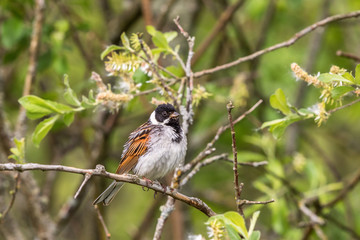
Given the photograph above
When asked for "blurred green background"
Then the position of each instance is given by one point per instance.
(313, 160)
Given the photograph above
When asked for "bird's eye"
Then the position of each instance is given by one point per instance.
(165, 114)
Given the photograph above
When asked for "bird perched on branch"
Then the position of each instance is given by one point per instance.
(155, 148)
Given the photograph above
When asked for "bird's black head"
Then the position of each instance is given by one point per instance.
(166, 113)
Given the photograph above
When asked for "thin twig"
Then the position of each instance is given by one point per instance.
(209, 147)
(154, 68)
(86, 179)
(100, 171)
(201, 164)
(347, 188)
(314, 219)
(347, 55)
(101, 219)
(13, 195)
(33, 57)
(243, 202)
(165, 213)
(220, 25)
(189, 114)
(237, 186)
(344, 106)
(287, 43)
(337, 222)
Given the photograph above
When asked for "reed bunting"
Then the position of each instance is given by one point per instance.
(155, 148)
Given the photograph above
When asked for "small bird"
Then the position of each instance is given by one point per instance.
(155, 148)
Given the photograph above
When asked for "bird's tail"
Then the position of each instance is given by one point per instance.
(108, 195)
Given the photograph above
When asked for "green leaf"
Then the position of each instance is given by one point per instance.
(109, 49)
(43, 128)
(253, 220)
(349, 77)
(69, 118)
(255, 235)
(158, 38)
(69, 95)
(18, 151)
(278, 101)
(237, 222)
(273, 123)
(39, 107)
(338, 92)
(277, 127)
(327, 77)
(151, 30)
(34, 107)
(176, 70)
(140, 77)
(170, 36)
(125, 41)
(233, 234)
(357, 74)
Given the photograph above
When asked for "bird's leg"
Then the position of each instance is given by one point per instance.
(164, 187)
(148, 182)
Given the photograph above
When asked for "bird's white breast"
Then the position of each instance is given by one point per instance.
(164, 154)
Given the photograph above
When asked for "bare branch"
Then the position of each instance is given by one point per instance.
(347, 188)
(188, 115)
(201, 164)
(165, 213)
(237, 187)
(347, 55)
(86, 179)
(343, 106)
(33, 55)
(220, 25)
(13, 195)
(209, 147)
(243, 202)
(314, 219)
(100, 171)
(287, 43)
(101, 219)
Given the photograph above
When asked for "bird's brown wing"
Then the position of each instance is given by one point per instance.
(134, 148)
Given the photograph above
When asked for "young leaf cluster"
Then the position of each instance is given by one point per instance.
(38, 108)
(231, 225)
(334, 87)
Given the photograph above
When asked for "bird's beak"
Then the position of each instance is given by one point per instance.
(174, 115)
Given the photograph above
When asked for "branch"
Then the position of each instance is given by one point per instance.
(314, 219)
(188, 115)
(237, 187)
(201, 164)
(209, 147)
(224, 18)
(347, 188)
(347, 55)
(287, 43)
(344, 106)
(100, 171)
(165, 213)
(101, 219)
(13, 195)
(34, 50)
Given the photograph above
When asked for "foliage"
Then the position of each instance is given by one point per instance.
(85, 123)
(18, 152)
(334, 87)
(231, 225)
